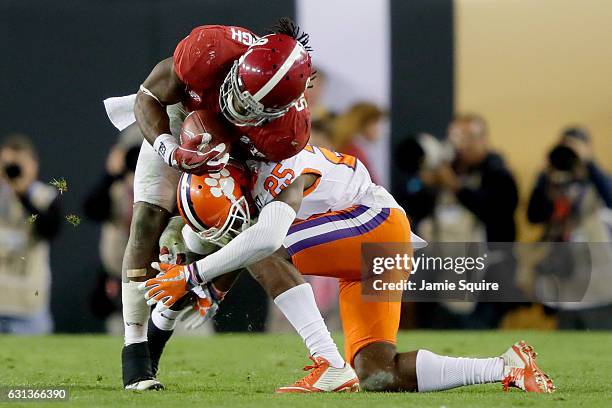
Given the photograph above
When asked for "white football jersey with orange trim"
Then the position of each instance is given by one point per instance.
(343, 181)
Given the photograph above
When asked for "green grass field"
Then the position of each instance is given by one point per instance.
(243, 371)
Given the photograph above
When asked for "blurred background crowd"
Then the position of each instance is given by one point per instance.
(492, 165)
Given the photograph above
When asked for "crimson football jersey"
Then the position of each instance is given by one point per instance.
(203, 59)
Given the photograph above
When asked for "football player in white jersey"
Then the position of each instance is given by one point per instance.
(315, 210)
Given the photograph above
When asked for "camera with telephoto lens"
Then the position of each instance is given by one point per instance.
(422, 151)
(564, 165)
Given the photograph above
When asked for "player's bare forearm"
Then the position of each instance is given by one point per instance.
(161, 88)
(151, 117)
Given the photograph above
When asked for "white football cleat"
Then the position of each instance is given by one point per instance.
(324, 378)
(521, 371)
(145, 385)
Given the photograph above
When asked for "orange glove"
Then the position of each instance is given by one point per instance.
(169, 286)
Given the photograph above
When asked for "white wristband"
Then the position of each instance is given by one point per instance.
(165, 144)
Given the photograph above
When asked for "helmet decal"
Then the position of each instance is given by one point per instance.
(221, 183)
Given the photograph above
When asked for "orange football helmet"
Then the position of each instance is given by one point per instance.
(214, 204)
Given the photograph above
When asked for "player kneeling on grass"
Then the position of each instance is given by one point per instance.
(315, 211)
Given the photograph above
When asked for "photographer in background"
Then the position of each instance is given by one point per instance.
(479, 180)
(461, 191)
(573, 199)
(30, 218)
(571, 193)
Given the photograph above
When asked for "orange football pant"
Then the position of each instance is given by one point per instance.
(330, 245)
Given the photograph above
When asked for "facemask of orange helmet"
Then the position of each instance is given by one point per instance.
(214, 204)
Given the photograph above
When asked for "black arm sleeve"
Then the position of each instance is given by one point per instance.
(540, 207)
(602, 183)
(98, 204)
(48, 221)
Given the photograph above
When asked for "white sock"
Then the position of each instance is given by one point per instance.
(165, 320)
(299, 307)
(435, 373)
(135, 313)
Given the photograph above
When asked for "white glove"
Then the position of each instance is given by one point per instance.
(204, 308)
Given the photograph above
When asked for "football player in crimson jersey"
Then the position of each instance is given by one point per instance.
(255, 83)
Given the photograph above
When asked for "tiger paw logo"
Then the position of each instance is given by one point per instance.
(220, 183)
